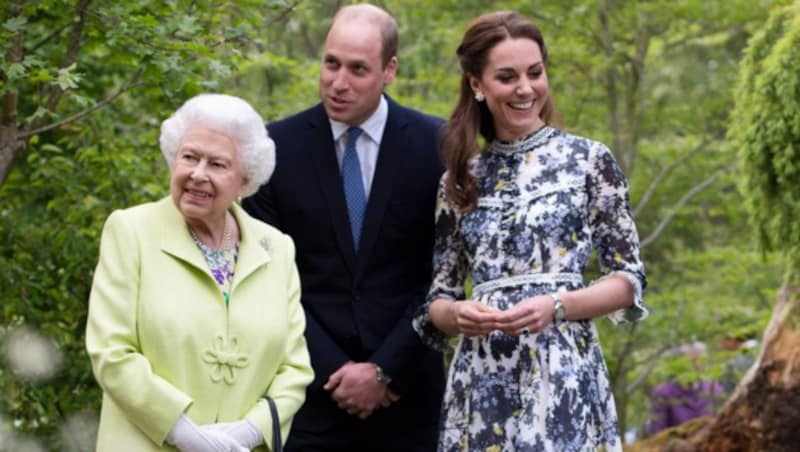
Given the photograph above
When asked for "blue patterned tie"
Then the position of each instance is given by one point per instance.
(353, 185)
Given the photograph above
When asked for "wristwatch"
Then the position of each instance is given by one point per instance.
(382, 377)
(558, 307)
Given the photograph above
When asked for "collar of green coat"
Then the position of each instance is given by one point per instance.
(177, 241)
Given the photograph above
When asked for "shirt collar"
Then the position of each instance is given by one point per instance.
(372, 127)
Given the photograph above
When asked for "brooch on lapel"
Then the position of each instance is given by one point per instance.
(265, 244)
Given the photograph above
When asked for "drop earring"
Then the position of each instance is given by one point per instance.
(479, 96)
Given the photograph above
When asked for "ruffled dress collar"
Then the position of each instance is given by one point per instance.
(526, 144)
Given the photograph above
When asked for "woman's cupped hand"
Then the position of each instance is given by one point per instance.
(473, 318)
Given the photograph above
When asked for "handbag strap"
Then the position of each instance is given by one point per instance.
(277, 445)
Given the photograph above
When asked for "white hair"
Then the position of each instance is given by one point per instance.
(235, 118)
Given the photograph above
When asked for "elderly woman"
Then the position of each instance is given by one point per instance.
(194, 314)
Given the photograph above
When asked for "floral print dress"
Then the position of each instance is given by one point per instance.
(545, 203)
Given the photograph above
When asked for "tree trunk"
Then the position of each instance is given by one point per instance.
(10, 148)
(763, 414)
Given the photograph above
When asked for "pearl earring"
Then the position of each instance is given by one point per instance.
(479, 96)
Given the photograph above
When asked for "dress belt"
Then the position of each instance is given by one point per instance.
(528, 278)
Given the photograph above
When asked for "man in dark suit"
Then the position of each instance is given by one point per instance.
(363, 228)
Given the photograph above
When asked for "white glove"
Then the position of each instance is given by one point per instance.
(244, 432)
(188, 437)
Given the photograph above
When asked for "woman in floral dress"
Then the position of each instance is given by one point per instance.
(520, 218)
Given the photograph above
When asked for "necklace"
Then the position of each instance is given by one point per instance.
(226, 235)
(221, 261)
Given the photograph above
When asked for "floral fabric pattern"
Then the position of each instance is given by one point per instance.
(221, 264)
(545, 203)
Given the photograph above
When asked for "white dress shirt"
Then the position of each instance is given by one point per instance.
(368, 143)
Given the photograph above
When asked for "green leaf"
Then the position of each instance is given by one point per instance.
(41, 75)
(15, 24)
(52, 149)
(67, 79)
(15, 71)
(39, 113)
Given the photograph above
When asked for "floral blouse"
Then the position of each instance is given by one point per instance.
(221, 263)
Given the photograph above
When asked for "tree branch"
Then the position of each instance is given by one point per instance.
(14, 54)
(651, 188)
(280, 18)
(27, 132)
(615, 373)
(704, 30)
(72, 51)
(611, 76)
(310, 47)
(685, 199)
(633, 101)
(56, 31)
(652, 361)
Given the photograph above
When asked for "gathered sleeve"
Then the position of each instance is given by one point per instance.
(450, 266)
(614, 235)
(124, 373)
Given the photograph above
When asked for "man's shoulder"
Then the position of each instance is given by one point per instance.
(305, 118)
(414, 115)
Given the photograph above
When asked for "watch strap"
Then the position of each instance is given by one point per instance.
(558, 307)
(381, 376)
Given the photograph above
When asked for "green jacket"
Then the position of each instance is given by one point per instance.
(162, 340)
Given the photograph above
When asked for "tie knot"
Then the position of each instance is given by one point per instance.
(352, 135)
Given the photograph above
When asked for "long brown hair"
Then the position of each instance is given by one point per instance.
(469, 117)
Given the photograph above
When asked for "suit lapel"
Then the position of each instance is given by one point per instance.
(323, 154)
(387, 169)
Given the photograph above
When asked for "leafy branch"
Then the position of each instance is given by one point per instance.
(121, 90)
(699, 187)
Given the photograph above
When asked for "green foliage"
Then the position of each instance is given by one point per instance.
(50, 234)
(765, 126)
(707, 296)
(651, 79)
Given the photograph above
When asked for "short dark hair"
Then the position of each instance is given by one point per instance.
(387, 26)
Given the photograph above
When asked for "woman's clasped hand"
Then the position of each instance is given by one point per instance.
(473, 318)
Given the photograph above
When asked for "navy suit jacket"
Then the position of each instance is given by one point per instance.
(359, 306)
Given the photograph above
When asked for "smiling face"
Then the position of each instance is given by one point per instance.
(206, 176)
(514, 82)
(352, 76)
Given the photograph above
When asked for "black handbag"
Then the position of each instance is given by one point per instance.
(277, 446)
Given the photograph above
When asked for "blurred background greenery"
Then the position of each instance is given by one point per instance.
(86, 84)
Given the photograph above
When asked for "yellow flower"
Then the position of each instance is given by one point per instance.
(498, 430)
